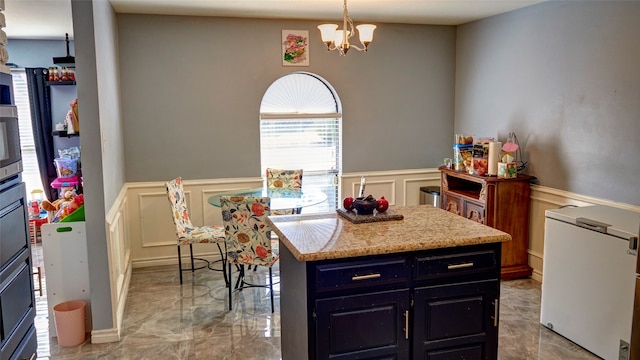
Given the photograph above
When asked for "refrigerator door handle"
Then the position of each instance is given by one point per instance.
(633, 243)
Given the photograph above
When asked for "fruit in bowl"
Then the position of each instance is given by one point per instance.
(382, 204)
(365, 206)
(348, 203)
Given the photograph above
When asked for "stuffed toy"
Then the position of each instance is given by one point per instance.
(55, 205)
(64, 206)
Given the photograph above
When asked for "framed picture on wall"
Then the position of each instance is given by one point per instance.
(295, 48)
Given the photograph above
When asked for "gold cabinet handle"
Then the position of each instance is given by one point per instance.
(460, 266)
(406, 324)
(365, 277)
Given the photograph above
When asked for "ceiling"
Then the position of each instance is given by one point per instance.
(51, 19)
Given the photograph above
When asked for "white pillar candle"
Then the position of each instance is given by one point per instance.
(494, 157)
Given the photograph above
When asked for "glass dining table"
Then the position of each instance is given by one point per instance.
(281, 199)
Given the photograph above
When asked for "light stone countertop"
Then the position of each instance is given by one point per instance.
(330, 236)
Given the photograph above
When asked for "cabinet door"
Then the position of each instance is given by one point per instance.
(452, 203)
(14, 233)
(474, 211)
(368, 326)
(456, 321)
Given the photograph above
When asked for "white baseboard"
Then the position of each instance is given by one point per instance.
(536, 275)
(169, 260)
(105, 336)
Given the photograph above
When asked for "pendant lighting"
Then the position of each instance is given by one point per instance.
(339, 39)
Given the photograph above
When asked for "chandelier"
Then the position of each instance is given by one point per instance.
(339, 39)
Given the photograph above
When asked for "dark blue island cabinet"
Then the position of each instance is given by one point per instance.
(434, 304)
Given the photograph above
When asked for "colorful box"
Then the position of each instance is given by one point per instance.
(507, 170)
(462, 157)
(66, 167)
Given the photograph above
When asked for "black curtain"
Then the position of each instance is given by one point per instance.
(40, 102)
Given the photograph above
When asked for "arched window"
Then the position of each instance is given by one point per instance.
(301, 128)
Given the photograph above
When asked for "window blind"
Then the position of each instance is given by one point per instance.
(311, 144)
(31, 173)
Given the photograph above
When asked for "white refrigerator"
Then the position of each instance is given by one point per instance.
(589, 275)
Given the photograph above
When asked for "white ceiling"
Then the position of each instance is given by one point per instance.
(51, 19)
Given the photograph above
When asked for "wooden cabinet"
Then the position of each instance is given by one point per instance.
(433, 304)
(500, 203)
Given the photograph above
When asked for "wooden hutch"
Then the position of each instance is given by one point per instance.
(500, 203)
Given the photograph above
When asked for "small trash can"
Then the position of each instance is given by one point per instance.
(430, 195)
(70, 319)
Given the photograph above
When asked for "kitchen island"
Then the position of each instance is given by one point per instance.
(424, 287)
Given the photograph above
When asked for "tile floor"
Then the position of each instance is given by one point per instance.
(166, 320)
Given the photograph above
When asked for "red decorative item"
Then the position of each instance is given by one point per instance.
(382, 205)
(348, 203)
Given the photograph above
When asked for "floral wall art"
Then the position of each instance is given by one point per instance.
(295, 48)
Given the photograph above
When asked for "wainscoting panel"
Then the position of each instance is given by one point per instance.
(376, 188)
(156, 219)
(119, 248)
(150, 227)
(411, 187)
(399, 187)
(152, 233)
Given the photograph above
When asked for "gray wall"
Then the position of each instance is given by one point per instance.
(191, 89)
(101, 139)
(37, 53)
(565, 76)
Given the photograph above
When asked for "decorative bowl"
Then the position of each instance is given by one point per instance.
(365, 206)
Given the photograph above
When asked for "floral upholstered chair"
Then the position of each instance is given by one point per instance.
(248, 238)
(284, 179)
(187, 233)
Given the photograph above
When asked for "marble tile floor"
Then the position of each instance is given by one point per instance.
(166, 320)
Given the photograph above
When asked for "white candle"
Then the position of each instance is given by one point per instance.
(494, 157)
(362, 185)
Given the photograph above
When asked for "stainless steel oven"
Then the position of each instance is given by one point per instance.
(10, 154)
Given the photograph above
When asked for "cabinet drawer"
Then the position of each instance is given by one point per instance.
(13, 224)
(446, 265)
(474, 211)
(452, 203)
(27, 347)
(16, 300)
(358, 274)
